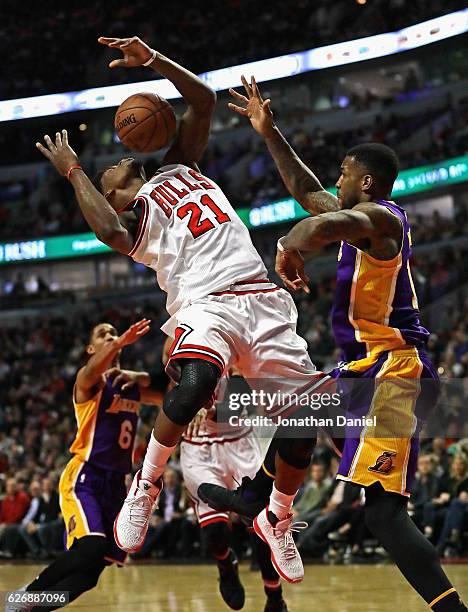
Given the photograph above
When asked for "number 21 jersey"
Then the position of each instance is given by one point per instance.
(191, 236)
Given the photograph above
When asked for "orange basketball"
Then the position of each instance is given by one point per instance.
(145, 122)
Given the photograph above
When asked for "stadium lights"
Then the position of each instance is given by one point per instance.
(338, 54)
(409, 182)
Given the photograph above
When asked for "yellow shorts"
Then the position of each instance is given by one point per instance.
(391, 394)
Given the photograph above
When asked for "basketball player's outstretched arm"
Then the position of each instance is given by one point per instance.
(194, 128)
(97, 211)
(91, 374)
(300, 181)
(365, 221)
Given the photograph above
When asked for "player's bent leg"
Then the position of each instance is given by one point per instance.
(77, 570)
(197, 385)
(387, 518)
(217, 540)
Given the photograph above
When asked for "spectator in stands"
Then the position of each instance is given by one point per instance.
(456, 514)
(14, 506)
(440, 451)
(424, 489)
(450, 486)
(50, 530)
(338, 507)
(30, 523)
(307, 506)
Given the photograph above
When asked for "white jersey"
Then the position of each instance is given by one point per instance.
(191, 236)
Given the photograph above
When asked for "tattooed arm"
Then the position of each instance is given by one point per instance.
(299, 180)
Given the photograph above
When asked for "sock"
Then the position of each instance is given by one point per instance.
(449, 603)
(280, 503)
(273, 589)
(260, 487)
(157, 455)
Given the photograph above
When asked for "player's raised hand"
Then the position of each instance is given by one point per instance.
(60, 154)
(290, 268)
(135, 51)
(254, 107)
(134, 332)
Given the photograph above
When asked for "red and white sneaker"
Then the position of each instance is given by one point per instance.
(131, 523)
(279, 537)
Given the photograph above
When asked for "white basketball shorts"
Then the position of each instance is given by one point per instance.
(223, 463)
(251, 326)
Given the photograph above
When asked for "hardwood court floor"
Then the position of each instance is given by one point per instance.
(193, 588)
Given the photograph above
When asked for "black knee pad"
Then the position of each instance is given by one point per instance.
(197, 384)
(216, 537)
(296, 452)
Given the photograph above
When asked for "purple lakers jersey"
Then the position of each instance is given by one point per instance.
(106, 428)
(375, 307)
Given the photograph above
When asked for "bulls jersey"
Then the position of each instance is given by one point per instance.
(191, 236)
(375, 307)
(107, 426)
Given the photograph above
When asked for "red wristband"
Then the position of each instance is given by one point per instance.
(71, 168)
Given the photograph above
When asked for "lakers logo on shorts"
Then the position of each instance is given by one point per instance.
(71, 524)
(384, 463)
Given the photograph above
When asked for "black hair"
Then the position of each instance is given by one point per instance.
(380, 160)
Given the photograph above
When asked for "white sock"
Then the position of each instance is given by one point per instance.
(280, 503)
(157, 455)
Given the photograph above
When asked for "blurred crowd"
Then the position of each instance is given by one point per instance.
(65, 38)
(44, 204)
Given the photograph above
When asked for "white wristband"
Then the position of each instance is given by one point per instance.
(279, 246)
(151, 59)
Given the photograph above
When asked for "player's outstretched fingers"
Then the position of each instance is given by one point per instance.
(52, 148)
(238, 109)
(142, 327)
(247, 87)
(239, 96)
(44, 151)
(104, 40)
(256, 91)
(300, 284)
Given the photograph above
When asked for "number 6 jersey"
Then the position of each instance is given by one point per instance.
(189, 233)
(107, 425)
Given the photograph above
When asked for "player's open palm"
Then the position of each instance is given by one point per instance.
(59, 153)
(135, 51)
(134, 332)
(254, 107)
(290, 268)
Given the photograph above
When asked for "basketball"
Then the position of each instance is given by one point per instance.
(145, 122)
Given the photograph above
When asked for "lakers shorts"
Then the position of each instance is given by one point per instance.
(90, 499)
(392, 395)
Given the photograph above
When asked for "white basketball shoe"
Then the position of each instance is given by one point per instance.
(279, 537)
(131, 524)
